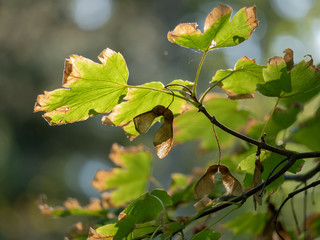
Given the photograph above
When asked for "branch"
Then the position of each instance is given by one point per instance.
(291, 195)
(254, 190)
(303, 177)
(259, 144)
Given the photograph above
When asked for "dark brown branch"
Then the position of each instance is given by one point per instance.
(303, 177)
(259, 144)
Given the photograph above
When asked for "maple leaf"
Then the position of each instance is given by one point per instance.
(129, 181)
(219, 31)
(89, 89)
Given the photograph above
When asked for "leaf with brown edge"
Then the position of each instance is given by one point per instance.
(72, 207)
(240, 82)
(257, 180)
(89, 89)
(206, 183)
(230, 183)
(219, 31)
(141, 99)
(93, 235)
(163, 139)
(129, 180)
(144, 121)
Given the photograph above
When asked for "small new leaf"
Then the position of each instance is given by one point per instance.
(129, 181)
(89, 89)
(219, 31)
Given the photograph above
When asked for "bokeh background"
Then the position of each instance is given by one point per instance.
(35, 38)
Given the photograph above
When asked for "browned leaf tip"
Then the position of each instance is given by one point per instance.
(276, 60)
(100, 179)
(105, 55)
(93, 235)
(183, 29)
(215, 14)
(230, 183)
(288, 58)
(117, 151)
(251, 17)
(71, 73)
(206, 183)
(163, 139)
(42, 100)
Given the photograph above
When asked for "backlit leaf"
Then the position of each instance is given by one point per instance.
(142, 99)
(130, 180)
(192, 126)
(282, 80)
(219, 31)
(242, 80)
(89, 89)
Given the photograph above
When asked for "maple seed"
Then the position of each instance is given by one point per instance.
(230, 183)
(144, 121)
(206, 183)
(163, 139)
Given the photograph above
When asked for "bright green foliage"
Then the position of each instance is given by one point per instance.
(206, 235)
(219, 31)
(192, 126)
(129, 181)
(282, 82)
(249, 222)
(242, 79)
(90, 89)
(142, 210)
(143, 98)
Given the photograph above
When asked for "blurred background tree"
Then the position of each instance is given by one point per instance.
(35, 38)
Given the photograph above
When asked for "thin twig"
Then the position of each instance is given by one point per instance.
(291, 195)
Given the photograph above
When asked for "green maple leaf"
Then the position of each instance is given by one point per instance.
(89, 89)
(219, 31)
(143, 98)
(241, 81)
(144, 209)
(128, 181)
(283, 80)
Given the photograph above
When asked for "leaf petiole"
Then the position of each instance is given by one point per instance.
(214, 85)
(194, 88)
